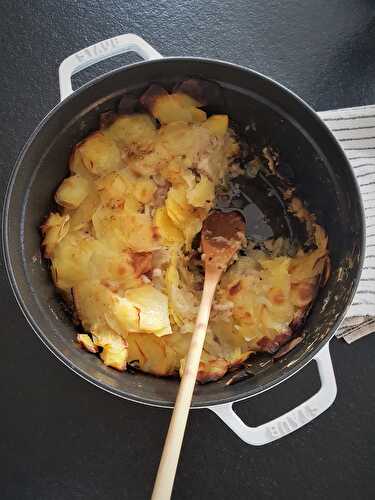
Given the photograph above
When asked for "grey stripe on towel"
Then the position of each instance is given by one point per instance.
(355, 129)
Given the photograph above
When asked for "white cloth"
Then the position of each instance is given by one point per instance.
(355, 130)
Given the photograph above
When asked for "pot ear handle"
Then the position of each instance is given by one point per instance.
(99, 52)
(293, 419)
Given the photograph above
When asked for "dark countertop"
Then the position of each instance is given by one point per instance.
(60, 437)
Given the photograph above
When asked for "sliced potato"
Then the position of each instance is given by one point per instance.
(71, 259)
(123, 229)
(168, 108)
(217, 124)
(202, 194)
(152, 354)
(144, 190)
(120, 251)
(54, 230)
(87, 343)
(137, 130)
(100, 154)
(72, 191)
(169, 232)
(114, 351)
(92, 301)
(153, 309)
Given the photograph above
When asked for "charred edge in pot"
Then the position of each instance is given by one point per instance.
(149, 98)
(203, 91)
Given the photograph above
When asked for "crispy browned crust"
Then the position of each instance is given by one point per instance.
(149, 98)
(272, 345)
(106, 119)
(128, 104)
(289, 346)
(203, 91)
(84, 340)
(210, 371)
(141, 262)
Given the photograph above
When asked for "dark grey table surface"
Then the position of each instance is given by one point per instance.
(60, 437)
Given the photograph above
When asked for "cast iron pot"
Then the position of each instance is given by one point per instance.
(320, 170)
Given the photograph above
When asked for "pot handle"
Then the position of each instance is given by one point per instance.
(293, 419)
(99, 52)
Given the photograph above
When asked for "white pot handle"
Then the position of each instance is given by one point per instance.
(293, 419)
(98, 52)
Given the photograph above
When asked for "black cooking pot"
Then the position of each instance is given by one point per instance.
(312, 157)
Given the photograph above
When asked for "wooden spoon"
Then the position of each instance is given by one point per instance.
(222, 236)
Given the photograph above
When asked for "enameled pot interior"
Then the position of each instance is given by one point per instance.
(310, 158)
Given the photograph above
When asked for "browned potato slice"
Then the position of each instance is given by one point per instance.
(128, 104)
(210, 368)
(203, 91)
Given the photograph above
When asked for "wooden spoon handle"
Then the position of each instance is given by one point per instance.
(172, 447)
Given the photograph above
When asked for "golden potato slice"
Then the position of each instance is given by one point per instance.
(144, 190)
(153, 309)
(81, 217)
(72, 191)
(183, 302)
(169, 108)
(71, 259)
(122, 229)
(100, 154)
(151, 163)
(217, 124)
(185, 100)
(198, 115)
(115, 270)
(202, 194)
(114, 351)
(169, 232)
(92, 301)
(185, 140)
(177, 207)
(127, 315)
(87, 343)
(54, 230)
(152, 354)
(210, 368)
(137, 130)
(76, 165)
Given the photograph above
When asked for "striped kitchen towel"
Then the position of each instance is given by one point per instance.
(355, 130)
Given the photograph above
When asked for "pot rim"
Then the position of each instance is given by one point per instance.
(299, 365)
